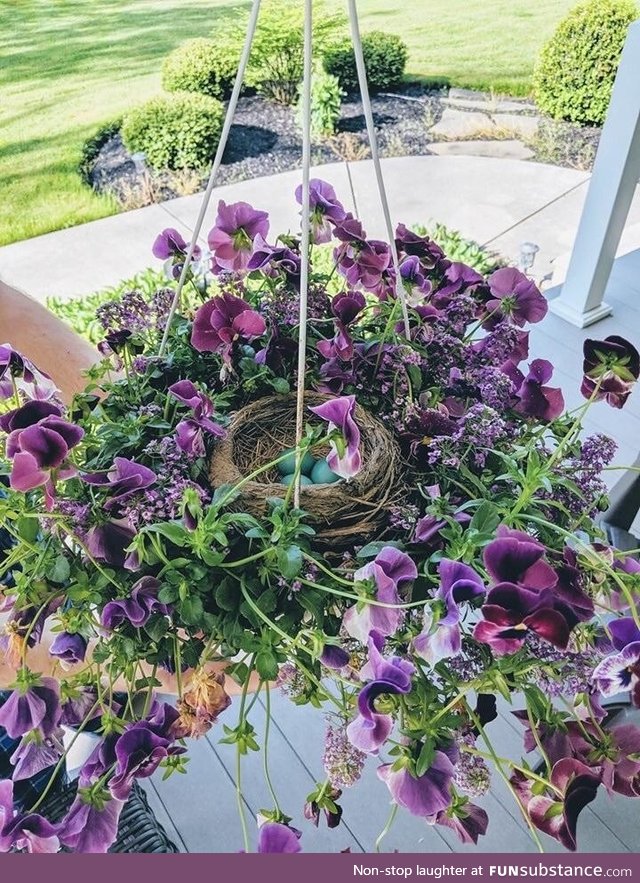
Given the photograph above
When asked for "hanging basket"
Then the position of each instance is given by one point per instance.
(342, 513)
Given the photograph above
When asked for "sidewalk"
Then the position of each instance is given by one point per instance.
(500, 202)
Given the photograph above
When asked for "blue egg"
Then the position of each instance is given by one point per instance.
(288, 465)
(322, 474)
(288, 479)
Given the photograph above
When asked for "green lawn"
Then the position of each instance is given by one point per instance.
(68, 66)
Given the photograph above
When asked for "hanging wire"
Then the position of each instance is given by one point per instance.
(375, 157)
(222, 143)
(305, 216)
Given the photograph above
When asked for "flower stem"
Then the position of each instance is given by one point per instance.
(387, 827)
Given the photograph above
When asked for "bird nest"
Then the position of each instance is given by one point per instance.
(341, 513)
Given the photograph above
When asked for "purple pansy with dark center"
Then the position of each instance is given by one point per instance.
(190, 432)
(465, 819)
(121, 481)
(621, 671)
(326, 209)
(345, 458)
(137, 608)
(410, 243)
(370, 729)
(534, 398)
(28, 708)
(276, 260)
(170, 244)
(91, 824)
(222, 321)
(69, 648)
(28, 832)
(389, 571)
(232, 236)
(274, 837)
(611, 366)
(458, 277)
(516, 557)
(426, 795)
(139, 751)
(511, 611)
(557, 815)
(109, 540)
(441, 637)
(515, 297)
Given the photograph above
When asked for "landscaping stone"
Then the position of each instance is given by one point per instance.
(523, 126)
(458, 124)
(511, 149)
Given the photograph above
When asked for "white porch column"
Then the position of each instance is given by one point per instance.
(615, 175)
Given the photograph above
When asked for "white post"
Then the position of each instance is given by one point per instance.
(615, 175)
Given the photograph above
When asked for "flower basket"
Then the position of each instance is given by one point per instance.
(341, 514)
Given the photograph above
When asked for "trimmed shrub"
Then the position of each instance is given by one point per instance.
(177, 131)
(577, 67)
(385, 58)
(326, 103)
(202, 65)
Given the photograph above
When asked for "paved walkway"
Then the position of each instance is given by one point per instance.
(500, 202)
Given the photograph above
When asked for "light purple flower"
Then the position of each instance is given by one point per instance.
(190, 432)
(24, 831)
(620, 672)
(28, 379)
(36, 753)
(36, 706)
(425, 795)
(274, 260)
(275, 837)
(441, 637)
(91, 825)
(231, 238)
(515, 297)
(390, 570)
(326, 209)
(170, 244)
(222, 321)
(344, 459)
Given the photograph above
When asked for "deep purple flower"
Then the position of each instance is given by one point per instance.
(345, 458)
(24, 831)
(458, 277)
(231, 238)
(139, 752)
(222, 321)
(345, 306)
(370, 728)
(274, 260)
(170, 244)
(511, 611)
(513, 296)
(334, 657)
(326, 209)
(441, 637)
(616, 751)
(275, 837)
(466, 819)
(121, 481)
(534, 399)
(558, 816)
(29, 707)
(425, 795)
(190, 432)
(91, 824)
(137, 608)
(612, 366)
(69, 648)
(430, 254)
(516, 557)
(36, 753)
(109, 541)
(390, 570)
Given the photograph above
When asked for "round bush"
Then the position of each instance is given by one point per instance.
(201, 65)
(385, 58)
(577, 67)
(177, 131)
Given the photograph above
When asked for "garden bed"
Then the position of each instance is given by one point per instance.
(266, 140)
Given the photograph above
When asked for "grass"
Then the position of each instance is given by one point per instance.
(69, 66)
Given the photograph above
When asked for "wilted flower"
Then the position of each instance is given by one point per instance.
(465, 819)
(231, 238)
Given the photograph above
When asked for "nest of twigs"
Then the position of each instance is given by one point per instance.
(342, 513)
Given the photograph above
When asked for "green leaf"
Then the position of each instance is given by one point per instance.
(267, 665)
(60, 571)
(425, 758)
(290, 561)
(485, 519)
(28, 529)
(372, 549)
(167, 594)
(174, 532)
(192, 610)
(157, 627)
(228, 596)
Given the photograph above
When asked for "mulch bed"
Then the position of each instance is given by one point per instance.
(265, 140)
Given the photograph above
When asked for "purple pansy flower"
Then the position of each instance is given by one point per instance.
(109, 541)
(190, 432)
(137, 608)
(515, 297)
(511, 611)
(36, 753)
(534, 399)
(274, 260)
(441, 637)
(69, 648)
(346, 307)
(222, 321)
(344, 459)
(326, 209)
(275, 837)
(16, 368)
(334, 657)
(170, 244)
(613, 366)
(621, 671)
(558, 815)
(466, 819)
(28, 708)
(139, 751)
(516, 557)
(121, 481)
(426, 795)
(24, 831)
(616, 753)
(232, 236)
(370, 729)
(458, 277)
(390, 570)
(91, 825)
